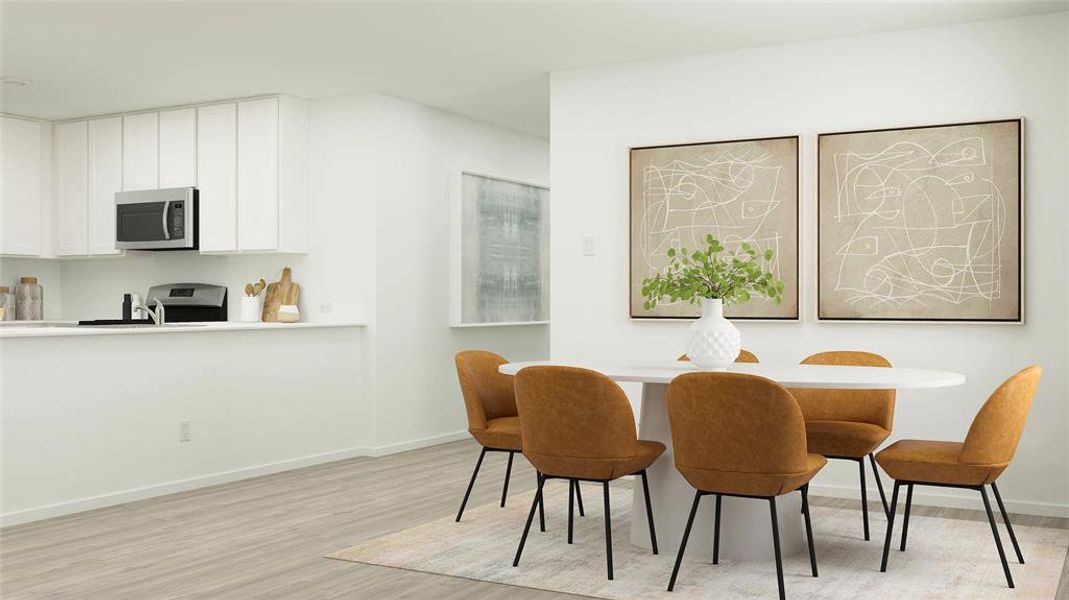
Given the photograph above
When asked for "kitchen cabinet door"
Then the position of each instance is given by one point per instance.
(21, 192)
(258, 174)
(72, 188)
(217, 177)
(141, 152)
(105, 178)
(178, 148)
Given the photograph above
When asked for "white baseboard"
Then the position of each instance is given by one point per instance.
(922, 495)
(942, 497)
(182, 485)
(426, 442)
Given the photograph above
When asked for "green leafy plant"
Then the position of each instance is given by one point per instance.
(733, 277)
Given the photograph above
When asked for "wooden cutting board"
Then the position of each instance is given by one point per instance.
(283, 291)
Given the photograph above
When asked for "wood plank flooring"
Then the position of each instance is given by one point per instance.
(265, 537)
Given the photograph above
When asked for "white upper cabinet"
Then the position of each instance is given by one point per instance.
(247, 158)
(217, 177)
(72, 188)
(258, 174)
(141, 152)
(22, 191)
(178, 148)
(105, 178)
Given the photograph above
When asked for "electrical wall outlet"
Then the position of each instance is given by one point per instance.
(185, 430)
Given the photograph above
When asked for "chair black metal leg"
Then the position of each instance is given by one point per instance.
(508, 474)
(683, 542)
(716, 531)
(471, 484)
(579, 499)
(809, 529)
(998, 541)
(879, 482)
(608, 528)
(864, 499)
(905, 517)
(530, 517)
(649, 511)
(775, 546)
(541, 504)
(571, 507)
(890, 527)
(1006, 520)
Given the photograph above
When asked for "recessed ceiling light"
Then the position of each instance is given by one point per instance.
(13, 81)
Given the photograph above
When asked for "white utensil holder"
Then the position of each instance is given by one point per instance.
(250, 309)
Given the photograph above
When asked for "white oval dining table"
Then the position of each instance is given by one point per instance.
(745, 528)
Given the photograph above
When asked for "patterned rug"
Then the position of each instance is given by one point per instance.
(946, 558)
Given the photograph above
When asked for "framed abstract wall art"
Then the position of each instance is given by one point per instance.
(738, 191)
(921, 223)
(500, 252)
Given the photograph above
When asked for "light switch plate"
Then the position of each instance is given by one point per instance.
(588, 245)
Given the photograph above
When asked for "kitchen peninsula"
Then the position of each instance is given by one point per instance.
(94, 416)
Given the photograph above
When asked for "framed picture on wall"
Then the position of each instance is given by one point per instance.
(921, 223)
(738, 191)
(499, 254)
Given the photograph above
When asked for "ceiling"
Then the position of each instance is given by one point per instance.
(486, 60)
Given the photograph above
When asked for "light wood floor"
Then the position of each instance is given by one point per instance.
(265, 537)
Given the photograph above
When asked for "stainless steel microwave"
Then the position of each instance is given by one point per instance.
(157, 219)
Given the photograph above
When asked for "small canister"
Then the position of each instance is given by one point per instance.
(7, 303)
(29, 300)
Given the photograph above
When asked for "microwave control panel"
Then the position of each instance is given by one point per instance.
(178, 220)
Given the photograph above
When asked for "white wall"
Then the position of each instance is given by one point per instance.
(420, 151)
(960, 73)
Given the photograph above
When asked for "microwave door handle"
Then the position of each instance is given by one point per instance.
(166, 225)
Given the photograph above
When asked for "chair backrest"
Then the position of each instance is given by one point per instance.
(735, 422)
(997, 428)
(488, 394)
(745, 356)
(573, 413)
(860, 406)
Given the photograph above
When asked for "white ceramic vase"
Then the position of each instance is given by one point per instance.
(713, 342)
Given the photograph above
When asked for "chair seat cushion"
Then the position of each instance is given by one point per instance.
(843, 438)
(502, 433)
(933, 462)
(752, 484)
(598, 468)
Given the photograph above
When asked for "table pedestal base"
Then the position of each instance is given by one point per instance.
(746, 525)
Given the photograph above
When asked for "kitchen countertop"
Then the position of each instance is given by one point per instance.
(39, 329)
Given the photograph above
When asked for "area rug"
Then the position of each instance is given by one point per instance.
(946, 558)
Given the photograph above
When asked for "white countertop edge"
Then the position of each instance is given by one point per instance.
(788, 375)
(14, 331)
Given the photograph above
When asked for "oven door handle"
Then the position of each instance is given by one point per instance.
(166, 225)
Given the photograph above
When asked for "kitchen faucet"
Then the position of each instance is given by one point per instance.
(158, 316)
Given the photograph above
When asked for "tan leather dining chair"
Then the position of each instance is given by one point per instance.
(490, 402)
(849, 424)
(578, 425)
(740, 435)
(978, 461)
(745, 356)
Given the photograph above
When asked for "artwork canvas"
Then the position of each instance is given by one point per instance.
(921, 224)
(738, 191)
(504, 252)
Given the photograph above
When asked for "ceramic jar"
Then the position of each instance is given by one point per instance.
(29, 300)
